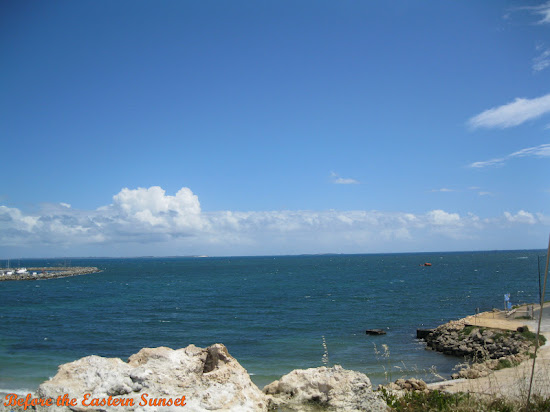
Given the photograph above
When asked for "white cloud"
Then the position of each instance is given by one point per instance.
(521, 217)
(493, 162)
(147, 219)
(542, 61)
(442, 218)
(443, 189)
(152, 207)
(481, 192)
(15, 220)
(342, 180)
(512, 114)
(542, 10)
(538, 151)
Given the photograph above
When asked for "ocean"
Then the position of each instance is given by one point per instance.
(272, 312)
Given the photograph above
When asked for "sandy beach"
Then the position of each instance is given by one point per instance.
(510, 382)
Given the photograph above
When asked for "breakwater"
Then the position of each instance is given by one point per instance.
(493, 347)
(37, 273)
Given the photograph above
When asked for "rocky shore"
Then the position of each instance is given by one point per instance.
(209, 379)
(50, 273)
(485, 349)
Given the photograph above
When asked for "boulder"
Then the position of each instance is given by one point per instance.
(375, 332)
(210, 379)
(333, 388)
(411, 384)
(423, 333)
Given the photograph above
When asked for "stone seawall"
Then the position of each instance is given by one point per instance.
(50, 273)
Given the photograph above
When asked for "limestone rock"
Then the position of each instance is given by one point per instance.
(210, 379)
(334, 388)
(411, 384)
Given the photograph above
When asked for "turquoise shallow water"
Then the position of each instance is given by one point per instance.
(271, 312)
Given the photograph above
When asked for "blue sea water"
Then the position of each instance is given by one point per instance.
(271, 312)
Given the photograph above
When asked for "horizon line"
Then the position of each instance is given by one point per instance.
(275, 255)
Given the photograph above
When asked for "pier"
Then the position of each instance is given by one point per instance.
(38, 273)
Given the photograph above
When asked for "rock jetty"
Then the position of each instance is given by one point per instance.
(50, 273)
(203, 379)
(487, 349)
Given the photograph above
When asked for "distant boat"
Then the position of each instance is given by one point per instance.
(427, 264)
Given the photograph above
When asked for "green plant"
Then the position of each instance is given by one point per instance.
(421, 401)
(505, 363)
(459, 402)
(532, 337)
(467, 330)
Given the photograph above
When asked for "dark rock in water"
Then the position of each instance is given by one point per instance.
(423, 333)
(375, 332)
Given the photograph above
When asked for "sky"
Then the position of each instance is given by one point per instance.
(133, 128)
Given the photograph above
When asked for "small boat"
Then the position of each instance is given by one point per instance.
(427, 264)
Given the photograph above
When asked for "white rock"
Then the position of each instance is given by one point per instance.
(210, 379)
(334, 388)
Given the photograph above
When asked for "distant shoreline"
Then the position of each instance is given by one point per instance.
(50, 273)
(328, 254)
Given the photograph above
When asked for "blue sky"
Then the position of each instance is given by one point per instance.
(241, 128)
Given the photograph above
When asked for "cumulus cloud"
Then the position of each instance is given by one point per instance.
(512, 114)
(538, 151)
(151, 218)
(442, 218)
(153, 207)
(521, 217)
(342, 180)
